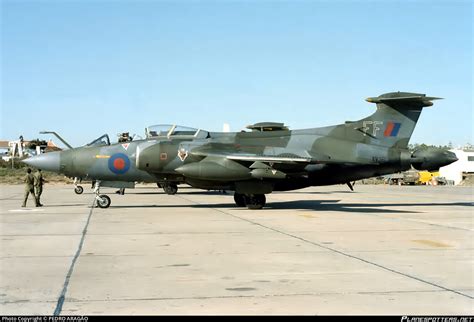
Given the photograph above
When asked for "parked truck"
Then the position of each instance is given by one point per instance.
(414, 177)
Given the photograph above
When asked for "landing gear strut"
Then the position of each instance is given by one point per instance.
(256, 201)
(170, 188)
(103, 201)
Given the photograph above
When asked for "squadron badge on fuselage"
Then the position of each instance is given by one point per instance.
(182, 154)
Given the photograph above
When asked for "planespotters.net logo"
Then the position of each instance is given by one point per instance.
(437, 319)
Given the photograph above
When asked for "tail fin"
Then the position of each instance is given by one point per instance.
(394, 121)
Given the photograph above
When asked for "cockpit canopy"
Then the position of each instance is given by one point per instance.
(170, 130)
(102, 140)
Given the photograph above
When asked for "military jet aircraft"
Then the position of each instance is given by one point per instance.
(268, 158)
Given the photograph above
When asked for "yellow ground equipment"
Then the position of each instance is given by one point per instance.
(426, 177)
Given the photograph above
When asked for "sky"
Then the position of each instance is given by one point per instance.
(85, 68)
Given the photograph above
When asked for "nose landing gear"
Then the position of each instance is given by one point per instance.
(77, 188)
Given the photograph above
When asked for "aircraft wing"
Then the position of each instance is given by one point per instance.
(283, 159)
(264, 158)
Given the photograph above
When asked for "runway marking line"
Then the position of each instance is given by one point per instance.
(62, 296)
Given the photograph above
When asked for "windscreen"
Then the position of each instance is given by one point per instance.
(102, 140)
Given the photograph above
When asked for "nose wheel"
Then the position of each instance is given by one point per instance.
(77, 188)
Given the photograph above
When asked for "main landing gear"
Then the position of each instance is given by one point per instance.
(102, 201)
(256, 201)
(169, 188)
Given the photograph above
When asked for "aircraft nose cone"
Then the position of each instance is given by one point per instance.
(46, 161)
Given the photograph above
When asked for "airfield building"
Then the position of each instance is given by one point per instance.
(459, 170)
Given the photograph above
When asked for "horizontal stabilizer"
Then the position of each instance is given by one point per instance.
(403, 99)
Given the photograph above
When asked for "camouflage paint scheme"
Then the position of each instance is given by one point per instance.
(258, 162)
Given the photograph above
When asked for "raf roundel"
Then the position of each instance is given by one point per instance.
(119, 163)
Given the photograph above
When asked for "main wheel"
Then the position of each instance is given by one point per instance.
(255, 201)
(103, 201)
(240, 199)
(79, 190)
(170, 189)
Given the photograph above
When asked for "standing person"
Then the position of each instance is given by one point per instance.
(38, 181)
(29, 181)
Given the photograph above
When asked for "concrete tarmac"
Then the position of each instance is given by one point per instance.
(321, 250)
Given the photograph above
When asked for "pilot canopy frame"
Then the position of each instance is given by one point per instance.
(173, 130)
